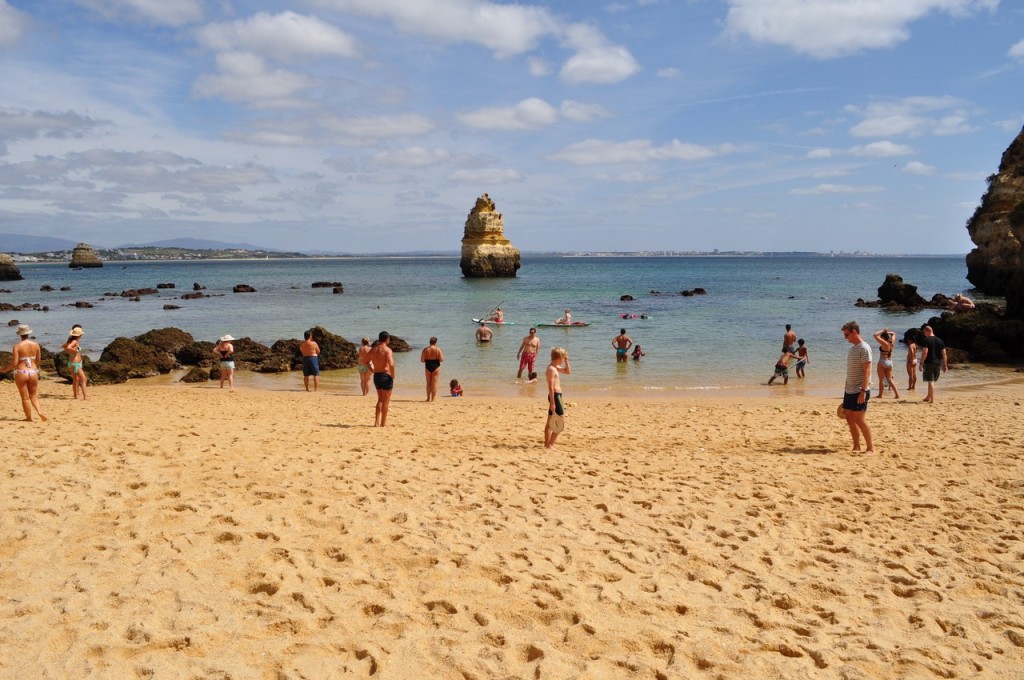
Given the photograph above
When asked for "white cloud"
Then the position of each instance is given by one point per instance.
(506, 30)
(13, 24)
(884, 149)
(912, 116)
(161, 12)
(1017, 51)
(530, 114)
(411, 157)
(918, 168)
(244, 77)
(538, 67)
(486, 177)
(596, 151)
(820, 153)
(18, 124)
(669, 72)
(596, 60)
(826, 29)
(822, 189)
(286, 37)
(377, 127)
(634, 177)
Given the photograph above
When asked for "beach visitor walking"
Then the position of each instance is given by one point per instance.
(789, 340)
(933, 361)
(483, 333)
(363, 366)
(857, 390)
(555, 422)
(26, 356)
(886, 340)
(310, 360)
(622, 343)
(782, 367)
(432, 357)
(910, 339)
(382, 362)
(73, 347)
(803, 357)
(527, 353)
(225, 353)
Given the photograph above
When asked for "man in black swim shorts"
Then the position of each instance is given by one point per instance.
(382, 362)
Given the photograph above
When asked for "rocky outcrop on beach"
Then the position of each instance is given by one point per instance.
(8, 270)
(83, 256)
(243, 288)
(997, 226)
(486, 253)
(895, 295)
(984, 332)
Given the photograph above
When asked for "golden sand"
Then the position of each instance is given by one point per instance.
(193, 532)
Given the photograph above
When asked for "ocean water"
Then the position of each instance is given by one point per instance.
(726, 340)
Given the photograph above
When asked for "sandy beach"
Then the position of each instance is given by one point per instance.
(162, 531)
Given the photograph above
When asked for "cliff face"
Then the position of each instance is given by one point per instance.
(85, 256)
(486, 253)
(997, 229)
(8, 270)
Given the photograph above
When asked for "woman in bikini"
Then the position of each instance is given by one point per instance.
(225, 353)
(886, 343)
(363, 366)
(910, 339)
(74, 349)
(25, 360)
(432, 356)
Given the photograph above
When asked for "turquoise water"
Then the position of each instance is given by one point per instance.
(725, 340)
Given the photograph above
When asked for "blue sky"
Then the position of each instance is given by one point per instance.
(373, 125)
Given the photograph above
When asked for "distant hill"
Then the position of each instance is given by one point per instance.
(21, 243)
(197, 244)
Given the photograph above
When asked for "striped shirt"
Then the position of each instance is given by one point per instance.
(859, 355)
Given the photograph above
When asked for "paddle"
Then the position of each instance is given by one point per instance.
(487, 316)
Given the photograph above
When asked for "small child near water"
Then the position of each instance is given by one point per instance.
(456, 388)
(803, 358)
(637, 353)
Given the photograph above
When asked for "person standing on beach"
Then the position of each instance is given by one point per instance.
(857, 390)
(432, 357)
(933, 360)
(483, 333)
(622, 343)
(886, 340)
(363, 366)
(26, 356)
(559, 364)
(910, 339)
(527, 353)
(310, 360)
(73, 347)
(803, 357)
(225, 353)
(382, 361)
(789, 340)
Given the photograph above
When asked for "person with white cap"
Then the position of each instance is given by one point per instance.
(225, 352)
(73, 347)
(25, 359)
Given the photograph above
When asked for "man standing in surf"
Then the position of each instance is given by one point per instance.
(527, 353)
(382, 362)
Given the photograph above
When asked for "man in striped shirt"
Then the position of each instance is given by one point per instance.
(857, 391)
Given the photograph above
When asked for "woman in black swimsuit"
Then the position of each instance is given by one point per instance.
(432, 356)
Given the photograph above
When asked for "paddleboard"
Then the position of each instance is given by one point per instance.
(496, 323)
(574, 324)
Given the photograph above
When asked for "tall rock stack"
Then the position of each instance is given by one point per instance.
(8, 270)
(997, 229)
(85, 256)
(486, 253)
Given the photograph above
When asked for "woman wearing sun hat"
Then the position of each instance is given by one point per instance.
(25, 359)
(74, 349)
(225, 352)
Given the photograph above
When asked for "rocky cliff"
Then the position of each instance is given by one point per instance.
(997, 229)
(8, 270)
(486, 253)
(85, 256)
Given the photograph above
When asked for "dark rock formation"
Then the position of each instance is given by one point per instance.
(8, 270)
(167, 341)
(83, 256)
(997, 226)
(99, 373)
(196, 354)
(486, 253)
(193, 296)
(170, 307)
(165, 285)
(65, 288)
(985, 333)
(338, 290)
(45, 288)
(243, 288)
(196, 375)
(894, 291)
(625, 298)
(139, 359)
(136, 292)
(335, 351)
(82, 304)
(196, 286)
(249, 354)
(326, 284)
(399, 345)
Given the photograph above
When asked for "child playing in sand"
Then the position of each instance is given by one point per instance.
(637, 353)
(782, 367)
(554, 423)
(456, 388)
(802, 358)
